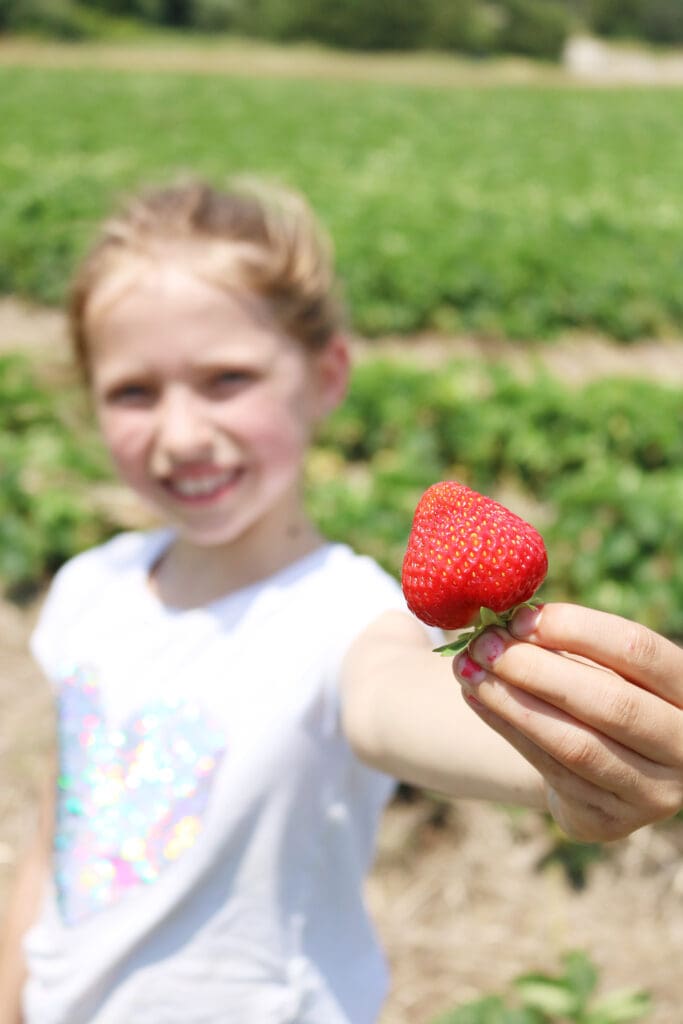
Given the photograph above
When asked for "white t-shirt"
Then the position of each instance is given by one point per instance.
(213, 827)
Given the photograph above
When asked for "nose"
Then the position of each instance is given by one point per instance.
(183, 430)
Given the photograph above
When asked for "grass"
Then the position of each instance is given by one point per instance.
(519, 212)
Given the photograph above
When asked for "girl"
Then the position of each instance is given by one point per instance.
(235, 695)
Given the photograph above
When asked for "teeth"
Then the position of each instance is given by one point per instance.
(198, 486)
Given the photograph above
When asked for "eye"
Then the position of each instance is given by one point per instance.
(130, 395)
(230, 381)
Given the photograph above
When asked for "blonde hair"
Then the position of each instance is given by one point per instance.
(251, 237)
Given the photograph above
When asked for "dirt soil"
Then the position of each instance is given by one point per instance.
(457, 893)
(587, 61)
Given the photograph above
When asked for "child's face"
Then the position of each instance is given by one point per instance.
(206, 406)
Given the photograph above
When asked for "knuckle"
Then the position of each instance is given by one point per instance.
(592, 824)
(577, 750)
(615, 821)
(667, 800)
(621, 709)
(642, 647)
(609, 829)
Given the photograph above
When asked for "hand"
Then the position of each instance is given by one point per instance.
(595, 703)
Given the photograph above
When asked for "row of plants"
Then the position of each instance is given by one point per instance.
(531, 27)
(598, 470)
(538, 28)
(658, 21)
(450, 209)
(48, 461)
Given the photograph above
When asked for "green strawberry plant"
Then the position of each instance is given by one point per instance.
(46, 466)
(566, 998)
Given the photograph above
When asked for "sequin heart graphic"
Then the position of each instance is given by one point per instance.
(130, 800)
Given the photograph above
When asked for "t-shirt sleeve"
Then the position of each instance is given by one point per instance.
(374, 593)
(74, 587)
(47, 639)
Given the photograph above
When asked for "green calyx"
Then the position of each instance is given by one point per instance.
(487, 617)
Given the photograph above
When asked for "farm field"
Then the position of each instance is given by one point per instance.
(512, 228)
(518, 212)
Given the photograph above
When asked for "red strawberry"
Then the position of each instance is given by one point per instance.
(467, 552)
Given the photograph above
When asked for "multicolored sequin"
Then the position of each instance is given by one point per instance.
(130, 800)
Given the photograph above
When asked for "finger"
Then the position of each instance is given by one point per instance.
(582, 750)
(632, 716)
(584, 811)
(631, 650)
(590, 823)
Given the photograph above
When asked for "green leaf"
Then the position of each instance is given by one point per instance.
(489, 1010)
(580, 973)
(488, 617)
(550, 995)
(620, 1007)
(456, 646)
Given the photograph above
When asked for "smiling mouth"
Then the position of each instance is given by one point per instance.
(197, 489)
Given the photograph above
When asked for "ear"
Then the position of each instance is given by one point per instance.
(332, 368)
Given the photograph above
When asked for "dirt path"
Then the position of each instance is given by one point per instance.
(587, 61)
(242, 57)
(41, 331)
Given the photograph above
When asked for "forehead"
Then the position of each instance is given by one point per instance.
(152, 312)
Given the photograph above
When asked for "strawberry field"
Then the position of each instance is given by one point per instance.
(598, 469)
(519, 212)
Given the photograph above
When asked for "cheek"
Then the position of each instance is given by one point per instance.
(280, 445)
(126, 441)
(278, 430)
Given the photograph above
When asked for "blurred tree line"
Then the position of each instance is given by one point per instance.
(537, 28)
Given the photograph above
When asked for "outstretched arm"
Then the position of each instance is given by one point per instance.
(404, 714)
(595, 703)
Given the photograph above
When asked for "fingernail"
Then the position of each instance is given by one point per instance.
(468, 670)
(525, 621)
(488, 647)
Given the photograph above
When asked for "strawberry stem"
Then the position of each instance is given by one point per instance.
(487, 617)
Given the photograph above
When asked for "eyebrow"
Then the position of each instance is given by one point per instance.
(244, 359)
